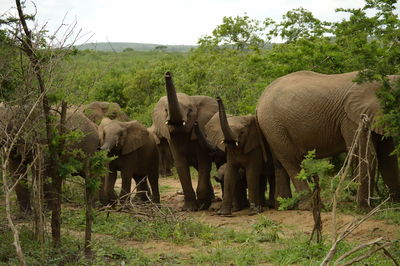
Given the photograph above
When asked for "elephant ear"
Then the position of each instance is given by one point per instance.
(214, 132)
(159, 117)
(361, 99)
(252, 139)
(206, 108)
(100, 129)
(152, 133)
(136, 136)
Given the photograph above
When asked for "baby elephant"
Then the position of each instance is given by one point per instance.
(239, 200)
(137, 157)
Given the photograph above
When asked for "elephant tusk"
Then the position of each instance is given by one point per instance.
(237, 143)
(222, 142)
(166, 122)
(183, 123)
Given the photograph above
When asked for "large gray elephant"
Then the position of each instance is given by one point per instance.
(240, 138)
(173, 118)
(305, 110)
(137, 157)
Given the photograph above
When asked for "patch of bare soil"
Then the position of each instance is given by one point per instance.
(293, 221)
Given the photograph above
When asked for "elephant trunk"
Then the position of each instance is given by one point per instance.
(226, 130)
(204, 143)
(174, 112)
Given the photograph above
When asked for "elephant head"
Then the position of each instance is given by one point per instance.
(177, 112)
(95, 111)
(121, 137)
(239, 132)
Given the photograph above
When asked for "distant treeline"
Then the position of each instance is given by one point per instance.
(127, 46)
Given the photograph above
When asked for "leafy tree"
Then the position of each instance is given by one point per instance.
(236, 32)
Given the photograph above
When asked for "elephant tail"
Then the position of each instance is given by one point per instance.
(263, 142)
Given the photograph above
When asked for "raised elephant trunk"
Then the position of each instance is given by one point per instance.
(226, 130)
(174, 111)
(204, 143)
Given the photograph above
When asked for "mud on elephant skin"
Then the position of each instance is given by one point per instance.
(240, 138)
(305, 110)
(173, 118)
(137, 158)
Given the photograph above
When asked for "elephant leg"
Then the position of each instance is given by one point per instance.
(388, 166)
(240, 195)
(282, 183)
(182, 167)
(142, 188)
(109, 184)
(270, 177)
(18, 168)
(293, 168)
(126, 184)
(230, 178)
(102, 191)
(365, 165)
(155, 193)
(253, 176)
(204, 191)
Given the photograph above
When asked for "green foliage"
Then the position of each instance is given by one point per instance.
(238, 32)
(310, 167)
(266, 230)
(245, 254)
(289, 203)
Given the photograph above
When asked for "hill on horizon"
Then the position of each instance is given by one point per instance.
(121, 46)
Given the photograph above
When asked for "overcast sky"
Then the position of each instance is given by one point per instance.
(166, 22)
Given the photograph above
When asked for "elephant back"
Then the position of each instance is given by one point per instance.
(362, 100)
(78, 121)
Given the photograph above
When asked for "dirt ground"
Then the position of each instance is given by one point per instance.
(292, 222)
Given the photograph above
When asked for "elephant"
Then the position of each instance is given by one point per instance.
(239, 198)
(23, 153)
(137, 157)
(173, 118)
(240, 138)
(95, 111)
(304, 110)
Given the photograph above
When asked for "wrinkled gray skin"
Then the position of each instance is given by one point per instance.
(173, 118)
(165, 154)
(137, 158)
(96, 111)
(239, 137)
(305, 110)
(22, 156)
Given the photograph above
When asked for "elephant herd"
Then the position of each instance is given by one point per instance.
(296, 113)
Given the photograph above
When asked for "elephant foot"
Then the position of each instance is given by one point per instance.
(155, 199)
(225, 211)
(271, 204)
(190, 206)
(204, 204)
(255, 209)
